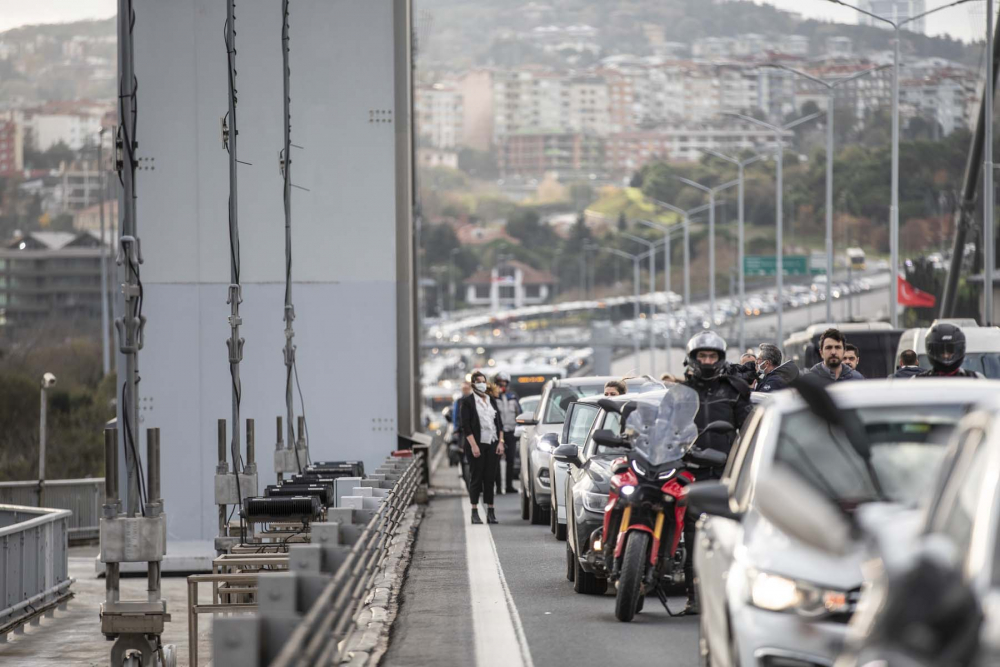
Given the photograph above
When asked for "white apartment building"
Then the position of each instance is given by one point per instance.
(949, 98)
(589, 108)
(894, 10)
(685, 142)
(439, 115)
(74, 124)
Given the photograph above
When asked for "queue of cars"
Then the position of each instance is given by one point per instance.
(815, 490)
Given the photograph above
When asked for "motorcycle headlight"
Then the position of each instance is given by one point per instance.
(638, 468)
(594, 502)
(774, 592)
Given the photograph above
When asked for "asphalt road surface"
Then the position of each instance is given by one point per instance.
(532, 617)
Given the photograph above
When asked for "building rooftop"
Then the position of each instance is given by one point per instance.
(529, 274)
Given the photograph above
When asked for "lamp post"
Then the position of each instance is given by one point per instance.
(831, 87)
(667, 233)
(105, 343)
(740, 166)
(650, 246)
(686, 216)
(779, 146)
(451, 279)
(894, 202)
(48, 381)
(635, 304)
(710, 191)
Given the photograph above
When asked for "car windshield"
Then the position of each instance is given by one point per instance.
(562, 396)
(907, 444)
(987, 363)
(662, 429)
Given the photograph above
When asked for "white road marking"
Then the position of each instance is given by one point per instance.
(496, 626)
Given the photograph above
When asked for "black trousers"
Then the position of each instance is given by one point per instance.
(690, 522)
(482, 472)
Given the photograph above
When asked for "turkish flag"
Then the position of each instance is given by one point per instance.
(911, 297)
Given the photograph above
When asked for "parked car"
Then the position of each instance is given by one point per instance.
(559, 471)
(758, 586)
(541, 436)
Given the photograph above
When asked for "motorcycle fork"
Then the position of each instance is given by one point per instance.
(652, 577)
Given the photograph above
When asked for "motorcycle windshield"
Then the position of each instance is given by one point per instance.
(663, 430)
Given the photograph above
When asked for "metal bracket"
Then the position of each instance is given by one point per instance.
(133, 539)
(226, 492)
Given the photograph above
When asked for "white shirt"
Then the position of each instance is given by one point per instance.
(487, 415)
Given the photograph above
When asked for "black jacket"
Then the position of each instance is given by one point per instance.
(907, 372)
(469, 416)
(960, 373)
(779, 378)
(724, 398)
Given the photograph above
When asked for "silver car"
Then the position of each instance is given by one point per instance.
(542, 431)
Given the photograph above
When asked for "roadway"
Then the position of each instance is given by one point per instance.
(513, 606)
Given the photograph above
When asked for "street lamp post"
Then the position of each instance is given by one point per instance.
(779, 152)
(105, 343)
(651, 246)
(686, 217)
(635, 306)
(667, 233)
(48, 381)
(451, 279)
(894, 203)
(831, 86)
(711, 236)
(740, 166)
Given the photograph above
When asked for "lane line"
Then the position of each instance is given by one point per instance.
(498, 635)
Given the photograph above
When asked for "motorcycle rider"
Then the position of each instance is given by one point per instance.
(945, 345)
(774, 375)
(831, 351)
(721, 397)
(510, 408)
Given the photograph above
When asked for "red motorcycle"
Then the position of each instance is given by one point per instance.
(642, 536)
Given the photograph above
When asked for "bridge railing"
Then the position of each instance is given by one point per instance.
(83, 497)
(34, 564)
(310, 614)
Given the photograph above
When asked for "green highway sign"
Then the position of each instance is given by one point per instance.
(767, 265)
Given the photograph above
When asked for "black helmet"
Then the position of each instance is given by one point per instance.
(709, 341)
(945, 345)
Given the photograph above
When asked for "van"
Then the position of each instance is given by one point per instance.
(982, 346)
(875, 342)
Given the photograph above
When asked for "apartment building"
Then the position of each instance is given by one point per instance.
(439, 115)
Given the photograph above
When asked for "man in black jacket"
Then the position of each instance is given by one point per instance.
(774, 375)
(908, 366)
(722, 397)
(945, 345)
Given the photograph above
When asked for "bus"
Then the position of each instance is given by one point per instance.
(528, 379)
(856, 259)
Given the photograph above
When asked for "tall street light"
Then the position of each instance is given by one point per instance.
(451, 278)
(686, 217)
(635, 279)
(668, 231)
(48, 381)
(779, 151)
(651, 247)
(740, 166)
(831, 87)
(710, 191)
(894, 203)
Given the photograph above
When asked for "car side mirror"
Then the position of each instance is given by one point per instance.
(568, 454)
(711, 497)
(607, 438)
(526, 419)
(802, 512)
(719, 426)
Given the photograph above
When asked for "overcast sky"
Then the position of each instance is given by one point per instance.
(962, 22)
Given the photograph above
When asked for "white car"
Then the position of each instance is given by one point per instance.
(767, 599)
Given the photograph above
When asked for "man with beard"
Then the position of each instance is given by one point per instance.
(831, 350)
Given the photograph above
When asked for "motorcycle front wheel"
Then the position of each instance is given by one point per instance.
(632, 571)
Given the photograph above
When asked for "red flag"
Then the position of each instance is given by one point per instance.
(911, 297)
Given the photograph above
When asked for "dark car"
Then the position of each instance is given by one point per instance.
(586, 494)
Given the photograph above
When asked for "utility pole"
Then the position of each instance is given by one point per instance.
(989, 197)
(105, 343)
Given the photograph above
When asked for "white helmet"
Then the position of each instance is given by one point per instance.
(708, 341)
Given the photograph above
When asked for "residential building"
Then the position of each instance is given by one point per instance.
(512, 284)
(476, 88)
(862, 95)
(74, 123)
(89, 219)
(683, 142)
(439, 115)
(839, 46)
(589, 109)
(79, 186)
(622, 101)
(11, 147)
(949, 99)
(51, 277)
(436, 157)
(566, 154)
(894, 10)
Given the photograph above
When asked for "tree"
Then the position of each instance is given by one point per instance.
(526, 226)
(438, 242)
(581, 195)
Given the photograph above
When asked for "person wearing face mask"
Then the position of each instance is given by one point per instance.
(774, 375)
(482, 431)
(722, 396)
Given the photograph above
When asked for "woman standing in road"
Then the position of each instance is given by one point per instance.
(483, 435)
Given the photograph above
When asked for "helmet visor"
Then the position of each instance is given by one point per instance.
(946, 350)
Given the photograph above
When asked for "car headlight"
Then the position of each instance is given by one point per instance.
(594, 502)
(774, 592)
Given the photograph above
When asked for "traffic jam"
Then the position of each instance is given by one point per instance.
(832, 508)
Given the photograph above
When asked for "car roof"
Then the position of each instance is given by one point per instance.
(866, 393)
(624, 398)
(595, 379)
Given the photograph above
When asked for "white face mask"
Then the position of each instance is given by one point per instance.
(480, 387)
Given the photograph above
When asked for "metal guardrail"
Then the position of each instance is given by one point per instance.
(83, 497)
(308, 615)
(34, 563)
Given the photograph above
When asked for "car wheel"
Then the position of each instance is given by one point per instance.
(570, 564)
(560, 530)
(553, 515)
(704, 650)
(586, 583)
(524, 504)
(536, 512)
